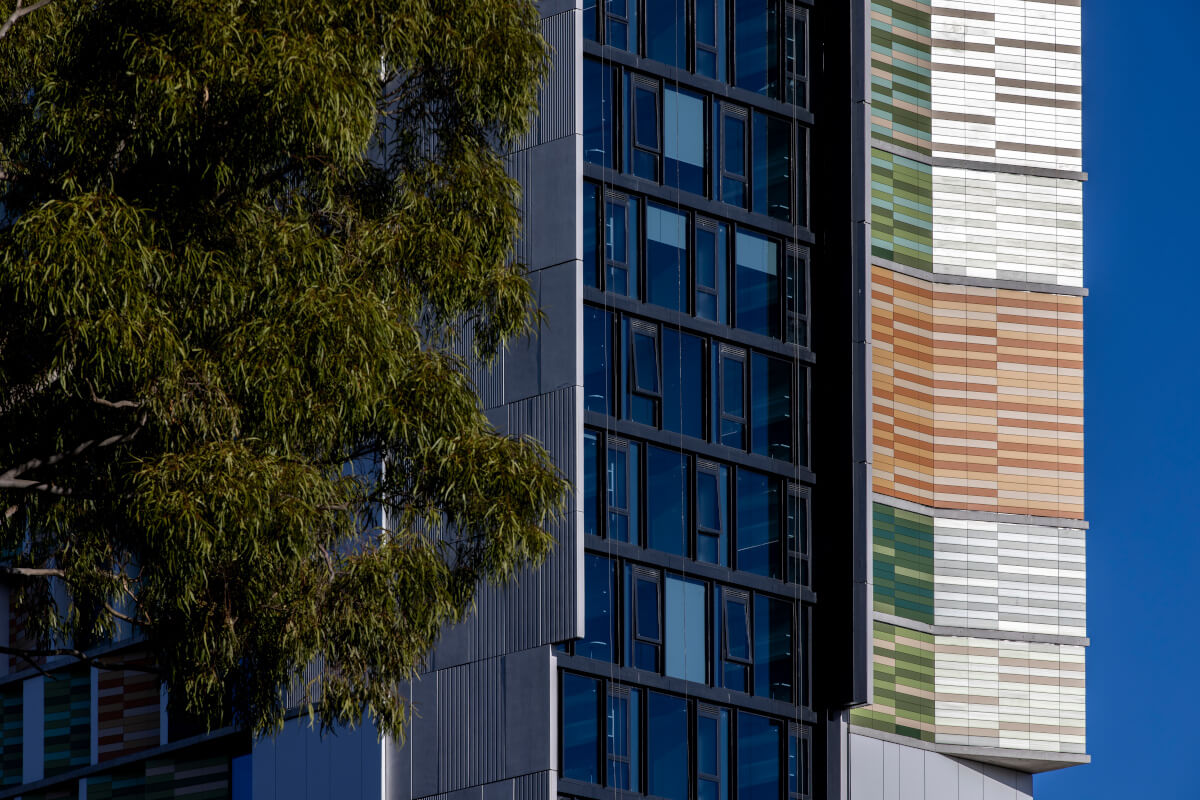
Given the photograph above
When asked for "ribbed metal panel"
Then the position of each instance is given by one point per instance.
(557, 99)
(537, 786)
(488, 381)
(517, 167)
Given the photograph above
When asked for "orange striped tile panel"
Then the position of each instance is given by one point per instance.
(978, 396)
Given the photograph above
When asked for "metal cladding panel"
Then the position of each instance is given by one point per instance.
(978, 397)
(903, 692)
(901, 210)
(1009, 227)
(1006, 82)
(901, 110)
(1010, 577)
(471, 725)
(558, 110)
(881, 770)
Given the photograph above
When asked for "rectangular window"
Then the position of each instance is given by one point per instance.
(757, 281)
(795, 55)
(623, 738)
(621, 16)
(591, 242)
(666, 746)
(591, 15)
(667, 501)
(756, 46)
(591, 492)
(712, 513)
(644, 114)
(686, 628)
(733, 146)
(621, 244)
(623, 487)
(795, 292)
(710, 38)
(759, 757)
(771, 406)
(580, 726)
(798, 765)
(666, 32)
(683, 383)
(599, 633)
(712, 753)
(712, 270)
(772, 152)
(758, 530)
(642, 371)
(647, 619)
(731, 397)
(666, 257)
(798, 545)
(734, 631)
(599, 114)
(773, 665)
(597, 360)
(683, 123)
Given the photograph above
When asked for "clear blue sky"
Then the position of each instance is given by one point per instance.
(1141, 122)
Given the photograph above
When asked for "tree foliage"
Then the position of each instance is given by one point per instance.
(239, 241)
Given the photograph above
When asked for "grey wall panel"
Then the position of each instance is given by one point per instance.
(558, 112)
(302, 764)
(883, 770)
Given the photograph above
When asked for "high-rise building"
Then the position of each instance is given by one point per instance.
(812, 360)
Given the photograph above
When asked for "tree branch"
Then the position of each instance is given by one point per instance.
(78, 655)
(19, 12)
(32, 572)
(8, 478)
(110, 403)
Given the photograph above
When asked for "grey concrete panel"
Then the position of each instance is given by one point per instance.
(998, 784)
(422, 738)
(530, 690)
(941, 776)
(912, 773)
(561, 354)
(970, 782)
(553, 183)
(866, 767)
(891, 770)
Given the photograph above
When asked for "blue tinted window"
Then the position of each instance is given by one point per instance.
(666, 257)
(580, 725)
(731, 388)
(666, 32)
(772, 167)
(686, 629)
(622, 24)
(683, 383)
(733, 638)
(773, 648)
(759, 747)
(771, 406)
(599, 639)
(756, 49)
(640, 369)
(712, 756)
(591, 26)
(683, 124)
(621, 493)
(645, 359)
(591, 493)
(758, 528)
(757, 275)
(647, 637)
(710, 38)
(623, 739)
(620, 245)
(666, 501)
(666, 746)
(712, 272)
(645, 127)
(591, 243)
(599, 144)
(597, 360)
(712, 507)
(733, 160)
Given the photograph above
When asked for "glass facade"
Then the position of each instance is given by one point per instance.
(697, 477)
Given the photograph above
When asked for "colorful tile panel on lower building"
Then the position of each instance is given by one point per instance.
(12, 736)
(900, 73)
(68, 720)
(128, 713)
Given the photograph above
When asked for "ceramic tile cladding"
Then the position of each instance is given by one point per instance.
(903, 685)
(128, 713)
(903, 563)
(194, 778)
(1006, 81)
(1019, 695)
(900, 73)
(978, 397)
(68, 725)
(12, 733)
(901, 210)
(1009, 577)
(1012, 227)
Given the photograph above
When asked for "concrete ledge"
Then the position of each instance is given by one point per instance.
(1032, 761)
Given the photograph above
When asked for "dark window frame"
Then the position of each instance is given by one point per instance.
(743, 596)
(795, 69)
(633, 743)
(635, 82)
(742, 356)
(799, 548)
(650, 330)
(742, 114)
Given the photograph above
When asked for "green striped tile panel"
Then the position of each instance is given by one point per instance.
(900, 74)
(12, 733)
(904, 686)
(903, 550)
(200, 777)
(68, 730)
(901, 210)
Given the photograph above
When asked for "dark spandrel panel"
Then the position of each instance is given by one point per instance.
(772, 149)
(686, 629)
(758, 530)
(591, 489)
(666, 257)
(666, 501)
(599, 114)
(756, 46)
(759, 747)
(666, 32)
(683, 383)
(599, 635)
(667, 746)
(773, 663)
(771, 404)
(683, 141)
(580, 726)
(758, 286)
(597, 360)
(591, 242)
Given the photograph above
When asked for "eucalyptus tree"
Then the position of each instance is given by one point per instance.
(241, 242)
